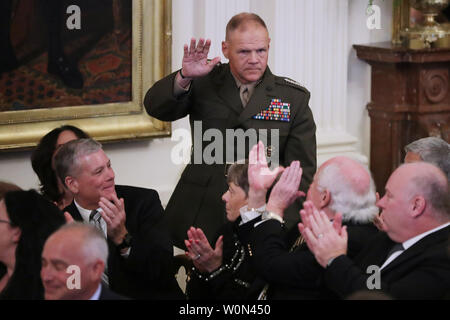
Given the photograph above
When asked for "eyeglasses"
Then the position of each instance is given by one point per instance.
(5, 221)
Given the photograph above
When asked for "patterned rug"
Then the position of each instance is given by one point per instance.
(106, 70)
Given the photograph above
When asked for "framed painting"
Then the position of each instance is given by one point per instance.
(92, 74)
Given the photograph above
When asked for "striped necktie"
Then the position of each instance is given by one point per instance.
(95, 219)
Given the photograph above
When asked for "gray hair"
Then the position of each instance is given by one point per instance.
(94, 243)
(66, 158)
(238, 174)
(433, 150)
(354, 206)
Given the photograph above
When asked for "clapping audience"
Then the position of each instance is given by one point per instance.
(226, 271)
(340, 185)
(123, 250)
(411, 258)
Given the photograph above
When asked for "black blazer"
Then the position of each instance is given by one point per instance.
(148, 272)
(106, 294)
(296, 274)
(420, 272)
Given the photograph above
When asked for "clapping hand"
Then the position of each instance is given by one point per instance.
(325, 239)
(203, 256)
(260, 177)
(285, 191)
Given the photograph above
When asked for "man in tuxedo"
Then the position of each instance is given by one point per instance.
(340, 185)
(76, 249)
(140, 252)
(236, 97)
(410, 260)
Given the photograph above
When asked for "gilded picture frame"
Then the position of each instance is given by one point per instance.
(113, 121)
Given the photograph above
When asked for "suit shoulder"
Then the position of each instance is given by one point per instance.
(122, 190)
(287, 82)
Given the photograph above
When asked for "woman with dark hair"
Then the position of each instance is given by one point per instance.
(26, 221)
(41, 161)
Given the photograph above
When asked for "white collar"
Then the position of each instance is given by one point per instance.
(85, 213)
(97, 292)
(248, 215)
(410, 242)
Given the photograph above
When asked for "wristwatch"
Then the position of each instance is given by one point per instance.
(267, 215)
(126, 242)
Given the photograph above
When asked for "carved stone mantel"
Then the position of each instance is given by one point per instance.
(410, 99)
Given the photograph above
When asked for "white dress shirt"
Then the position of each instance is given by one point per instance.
(96, 295)
(85, 214)
(410, 242)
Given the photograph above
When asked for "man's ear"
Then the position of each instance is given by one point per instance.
(97, 269)
(225, 49)
(16, 234)
(325, 198)
(418, 205)
(72, 184)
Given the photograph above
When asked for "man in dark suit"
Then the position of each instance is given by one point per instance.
(410, 260)
(75, 255)
(140, 252)
(227, 101)
(340, 185)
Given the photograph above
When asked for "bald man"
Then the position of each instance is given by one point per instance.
(340, 185)
(74, 250)
(411, 256)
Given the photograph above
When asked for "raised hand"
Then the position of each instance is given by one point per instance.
(260, 177)
(195, 59)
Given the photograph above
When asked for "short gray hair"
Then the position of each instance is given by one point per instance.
(433, 150)
(66, 158)
(94, 243)
(354, 206)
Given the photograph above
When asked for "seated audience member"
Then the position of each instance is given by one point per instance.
(41, 161)
(83, 246)
(4, 188)
(411, 256)
(225, 271)
(26, 220)
(140, 262)
(432, 150)
(340, 185)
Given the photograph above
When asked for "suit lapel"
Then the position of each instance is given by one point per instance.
(419, 247)
(261, 97)
(73, 210)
